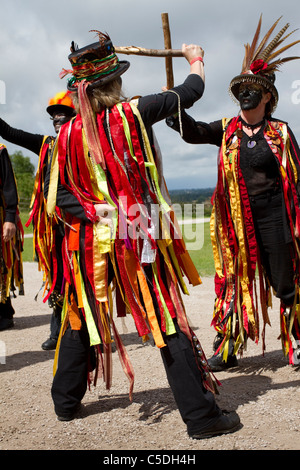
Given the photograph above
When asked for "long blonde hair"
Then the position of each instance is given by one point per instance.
(102, 96)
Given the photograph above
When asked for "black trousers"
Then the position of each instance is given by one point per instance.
(6, 309)
(55, 323)
(275, 243)
(196, 405)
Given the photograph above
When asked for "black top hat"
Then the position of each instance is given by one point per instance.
(96, 63)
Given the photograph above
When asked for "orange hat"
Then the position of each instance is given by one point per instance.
(62, 101)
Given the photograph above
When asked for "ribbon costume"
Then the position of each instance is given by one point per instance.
(127, 255)
(255, 215)
(134, 256)
(47, 232)
(43, 226)
(11, 272)
(235, 247)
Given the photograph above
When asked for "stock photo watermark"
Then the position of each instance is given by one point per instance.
(2, 92)
(153, 222)
(296, 353)
(2, 352)
(296, 94)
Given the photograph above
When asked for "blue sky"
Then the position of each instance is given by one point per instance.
(35, 38)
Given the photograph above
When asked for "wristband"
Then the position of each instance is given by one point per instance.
(195, 59)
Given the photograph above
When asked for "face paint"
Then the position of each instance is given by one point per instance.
(59, 120)
(249, 97)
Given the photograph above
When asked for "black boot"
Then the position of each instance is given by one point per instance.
(6, 315)
(227, 423)
(6, 323)
(216, 362)
(49, 344)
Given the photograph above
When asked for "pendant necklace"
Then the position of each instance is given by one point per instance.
(252, 142)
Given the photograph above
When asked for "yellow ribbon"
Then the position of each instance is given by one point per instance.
(102, 234)
(151, 163)
(157, 336)
(100, 275)
(54, 171)
(170, 328)
(92, 329)
(37, 176)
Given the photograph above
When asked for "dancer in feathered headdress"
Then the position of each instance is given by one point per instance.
(255, 217)
(262, 60)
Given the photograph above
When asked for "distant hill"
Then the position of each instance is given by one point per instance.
(191, 195)
(196, 196)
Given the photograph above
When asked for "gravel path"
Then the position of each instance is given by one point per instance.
(264, 390)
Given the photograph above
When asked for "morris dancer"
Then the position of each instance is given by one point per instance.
(106, 158)
(255, 217)
(12, 238)
(61, 110)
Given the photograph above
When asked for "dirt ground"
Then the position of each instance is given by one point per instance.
(264, 390)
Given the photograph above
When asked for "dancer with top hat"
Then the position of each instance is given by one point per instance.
(107, 158)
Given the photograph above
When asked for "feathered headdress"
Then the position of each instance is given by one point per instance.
(262, 60)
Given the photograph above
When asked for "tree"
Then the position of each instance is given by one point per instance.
(25, 175)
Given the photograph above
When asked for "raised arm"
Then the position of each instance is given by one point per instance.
(32, 142)
(156, 107)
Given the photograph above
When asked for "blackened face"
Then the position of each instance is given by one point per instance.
(59, 119)
(250, 95)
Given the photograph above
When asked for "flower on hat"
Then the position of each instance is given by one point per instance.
(258, 66)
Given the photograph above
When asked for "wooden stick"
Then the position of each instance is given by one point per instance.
(168, 45)
(134, 50)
